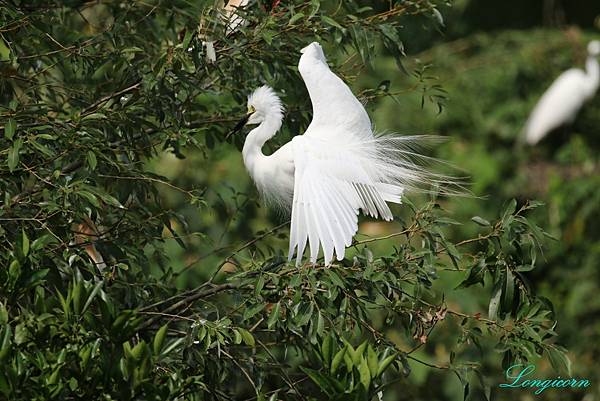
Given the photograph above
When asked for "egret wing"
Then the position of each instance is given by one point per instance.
(557, 106)
(330, 188)
(337, 113)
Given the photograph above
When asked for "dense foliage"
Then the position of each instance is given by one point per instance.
(113, 135)
(494, 79)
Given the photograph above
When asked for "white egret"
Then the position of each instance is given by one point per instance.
(337, 168)
(560, 104)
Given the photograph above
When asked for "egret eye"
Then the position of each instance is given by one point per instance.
(251, 109)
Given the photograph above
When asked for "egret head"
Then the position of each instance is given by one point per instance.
(594, 48)
(263, 104)
(314, 50)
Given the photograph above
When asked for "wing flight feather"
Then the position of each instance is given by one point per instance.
(327, 200)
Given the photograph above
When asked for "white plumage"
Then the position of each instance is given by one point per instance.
(336, 169)
(560, 104)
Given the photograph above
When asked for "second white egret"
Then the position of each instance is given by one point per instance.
(337, 168)
(560, 104)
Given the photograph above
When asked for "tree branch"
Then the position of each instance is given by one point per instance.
(188, 300)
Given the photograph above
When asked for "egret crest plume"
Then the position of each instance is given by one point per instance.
(337, 168)
(265, 102)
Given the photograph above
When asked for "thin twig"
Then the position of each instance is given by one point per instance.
(189, 299)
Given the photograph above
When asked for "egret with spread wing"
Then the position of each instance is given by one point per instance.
(560, 104)
(336, 169)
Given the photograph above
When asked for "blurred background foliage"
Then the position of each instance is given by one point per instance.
(494, 62)
(112, 113)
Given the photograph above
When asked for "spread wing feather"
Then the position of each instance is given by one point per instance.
(341, 167)
(327, 199)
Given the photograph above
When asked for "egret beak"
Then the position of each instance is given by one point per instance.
(238, 127)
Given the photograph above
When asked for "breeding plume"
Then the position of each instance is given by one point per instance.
(336, 169)
(560, 104)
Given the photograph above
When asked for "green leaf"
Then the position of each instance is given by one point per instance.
(139, 350)
(103, 70)
(383, 365)
(481, 221)
(4, 386)
(274, 316)
(348, 360)
(14, 271)
(247, 337)
(525, 268)
(42, 241)
(332, 22)
(447, 221)
(77, 292)
(3, 314)
(53, 379)
(4, 56)
(35, 278)
(319, 379)
(5, 341)
(335, 279)
(511, 207)
(295, 18)
(253, 310)
(24, 242)
(559, 360)
(260, 283)
(21, 334)
(304, 315)
(13, 154)
(314, 8)
(92, 295)
(42, 148)
(172, 345)
(358, 353)
(10, 128)
(189, 34)
(320, 323)
(101, 193)
(325, 349)
(372, 361)
(337, 359)
(508, 291)
(89, 197)
(237, 336)
(365, 373)
(475, 275)
(159, 339)
(73, 384)
(94, 116)
(268, 36)
(495, 300)
(91, 160)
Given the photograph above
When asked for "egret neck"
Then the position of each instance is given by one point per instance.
(252, 151)
(593, 74)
